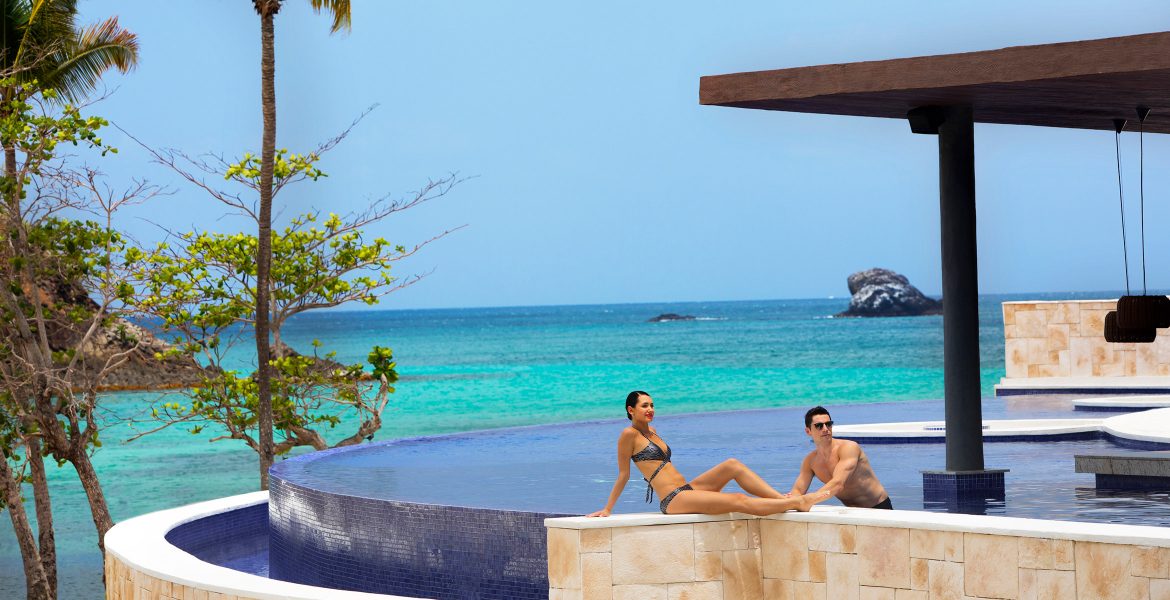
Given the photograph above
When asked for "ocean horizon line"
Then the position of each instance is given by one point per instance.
(1081, 295)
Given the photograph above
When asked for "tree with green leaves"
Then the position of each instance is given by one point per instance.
(66, 284)
(43, 47)
(267, 10)
(203, 288)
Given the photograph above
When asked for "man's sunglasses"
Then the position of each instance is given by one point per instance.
(820, 426)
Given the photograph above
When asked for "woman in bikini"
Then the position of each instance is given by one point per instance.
(703, 495)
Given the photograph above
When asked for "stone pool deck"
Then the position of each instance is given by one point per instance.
(835, 553)
(1122, 403)
(1149, 428)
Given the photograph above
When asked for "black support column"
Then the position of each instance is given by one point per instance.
(965, 483)
(960, 289)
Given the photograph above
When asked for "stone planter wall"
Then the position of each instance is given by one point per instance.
(838, 556)
(1067, 339)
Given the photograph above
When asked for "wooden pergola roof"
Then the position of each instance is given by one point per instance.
(1082, 85)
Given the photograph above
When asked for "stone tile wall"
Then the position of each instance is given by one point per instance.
(748, 558)
(125, 583)
(1067, 339)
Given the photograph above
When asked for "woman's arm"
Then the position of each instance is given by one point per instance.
(624, 451)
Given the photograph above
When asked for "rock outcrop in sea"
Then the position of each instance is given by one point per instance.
(140, 369)
(672, 317)
(884, 293)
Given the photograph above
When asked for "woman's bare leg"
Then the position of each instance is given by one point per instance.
(715, 479)
(713, 503)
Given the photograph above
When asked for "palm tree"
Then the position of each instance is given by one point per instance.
(42, 47)
(267, 9)
(40, 41)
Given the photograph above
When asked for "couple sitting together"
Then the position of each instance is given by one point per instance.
(840, 464)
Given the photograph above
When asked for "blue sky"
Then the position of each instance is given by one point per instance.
(599, 178)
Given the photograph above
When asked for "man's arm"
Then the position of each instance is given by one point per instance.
(847, 458)
(800, 486)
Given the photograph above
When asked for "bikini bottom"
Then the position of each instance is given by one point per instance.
(666, 501)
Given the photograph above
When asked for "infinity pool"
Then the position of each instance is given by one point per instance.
(570, 468)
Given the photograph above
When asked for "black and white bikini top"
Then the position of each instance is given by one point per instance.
(651, 452)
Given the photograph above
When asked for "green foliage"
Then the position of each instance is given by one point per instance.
(29, 127)
(203, 290)
(286, 165)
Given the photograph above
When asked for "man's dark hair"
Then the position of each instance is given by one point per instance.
(814, 411)
(632, 401)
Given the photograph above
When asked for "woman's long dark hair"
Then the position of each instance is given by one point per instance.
(632, 401)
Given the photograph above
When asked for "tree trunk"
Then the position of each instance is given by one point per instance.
(267, 10)
(35, 581)
(98, 508)
(44, 507)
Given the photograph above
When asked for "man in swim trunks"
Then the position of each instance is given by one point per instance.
(841, 464)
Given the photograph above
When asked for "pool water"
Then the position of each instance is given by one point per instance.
(571, 468)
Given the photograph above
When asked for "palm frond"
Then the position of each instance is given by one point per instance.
(83, 59)
(13, 21)
(48, 26)
(338, 8)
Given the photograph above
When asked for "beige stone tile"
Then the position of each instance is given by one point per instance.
(777, 589)
(1066, 312)
(1031, 324)
(1063, 558)
(1130, 364)
(1028, 583)
(641, 592)
(911, 595)
(710, 537)
(919, 573)
(806, 590)
(1080, 355)
(562, 594)
(991, 566)
(1160, 589)
(1057, 337)
(741, 575)
(784, 549)
(883, 556)
(656, 554)
(945, 580)
(708, 566)
(201, 595)
(706, 590)
(1037, 352)
(1016, 358)
(1035, 553)
(925, 543)
(816, 566)
(831, 538)
(564, 558)
(754, 533)
(595, 540)
(1009, 314)
(1055, 585)
(1150, 562)
(1103, 572)
(953, 546)
(876, 593)
(1092, 322)
(1044, 370)
(741, 534)
(596, 576)
(841, 581)
(1146, 356)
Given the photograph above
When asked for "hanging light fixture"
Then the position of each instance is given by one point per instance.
(1137, 318)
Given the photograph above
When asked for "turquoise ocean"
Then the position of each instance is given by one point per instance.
(482, 368)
